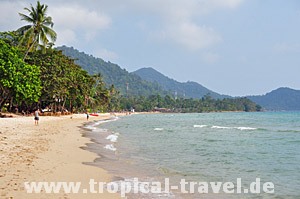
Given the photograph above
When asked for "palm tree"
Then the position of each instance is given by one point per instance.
(35, 35)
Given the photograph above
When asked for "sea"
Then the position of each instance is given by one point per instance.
(252, 149)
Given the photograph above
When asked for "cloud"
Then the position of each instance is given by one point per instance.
(180, 21)
(176, 21)
(194, 36)
(105, 54)
(76, 16)
(9, 17)
(73, 21)
(79, 22)
(65, 37)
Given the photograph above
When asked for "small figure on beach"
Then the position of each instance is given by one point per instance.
(87, 115)
(36, 117)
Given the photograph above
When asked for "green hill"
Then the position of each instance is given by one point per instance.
(113, 74)
(147, 81)
(188, 89)
(281, 99)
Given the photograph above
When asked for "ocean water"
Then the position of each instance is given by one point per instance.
(204, 147)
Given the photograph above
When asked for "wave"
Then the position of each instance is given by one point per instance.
(110, 147)
(221, 127)
(245, 128)
(242, 128)
(199, 126)
(158, 129)
(93, 125)
(112, 137)
(90, 127)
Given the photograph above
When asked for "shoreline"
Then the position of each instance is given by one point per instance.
(53, 151)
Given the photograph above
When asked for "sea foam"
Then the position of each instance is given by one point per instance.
(110, 147)
(199, 126)
(221, 127)
(245, 128)
(242, 128)
(112, 137)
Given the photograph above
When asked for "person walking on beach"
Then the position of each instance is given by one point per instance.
(87, 115)
(36, 117)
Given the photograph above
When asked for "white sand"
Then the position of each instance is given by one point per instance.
(47, 152)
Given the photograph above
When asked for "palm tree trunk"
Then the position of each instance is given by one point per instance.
(29, 49)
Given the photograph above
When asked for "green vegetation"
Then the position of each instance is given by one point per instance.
(114, 75)
(281, 99)
(45, 77)
(35, 35)
(188, 89)
(32, 75)
(181, 105)
(19, 81)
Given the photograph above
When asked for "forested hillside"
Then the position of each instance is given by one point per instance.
(113, 74)
(281, 99)
(188, 89)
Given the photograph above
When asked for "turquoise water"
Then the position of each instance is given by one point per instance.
(209, 147)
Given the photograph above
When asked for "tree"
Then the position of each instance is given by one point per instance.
(19, 82)
(35, 35)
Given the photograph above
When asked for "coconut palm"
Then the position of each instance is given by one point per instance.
(36, 34)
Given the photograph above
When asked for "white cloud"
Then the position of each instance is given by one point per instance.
(73, 21)
(9, 17)
(79, 22)
(179, 20)
(194, 36)
(224, 3)
(76, 16)
(105, 54)
(65, 37)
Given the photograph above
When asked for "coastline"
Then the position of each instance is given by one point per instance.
(49, 152)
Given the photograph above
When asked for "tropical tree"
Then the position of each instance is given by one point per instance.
(39, 33)
(19, 82)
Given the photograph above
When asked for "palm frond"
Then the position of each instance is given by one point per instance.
(38, 34)
(26, 18)
(50, 32)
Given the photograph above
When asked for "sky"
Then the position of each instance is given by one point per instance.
(233, 47)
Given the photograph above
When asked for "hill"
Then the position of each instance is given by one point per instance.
(113, 74)
(147, 81)
(281, 99)
(188, 89)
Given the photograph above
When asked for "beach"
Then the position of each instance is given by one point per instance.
(49, 152)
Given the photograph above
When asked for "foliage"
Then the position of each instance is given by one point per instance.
(281, 99)
(67, 85)
(127, 83)
(19, 82)
(35, 35)
(187, 89)
(48, 78)
(12, 37)
(205, 104)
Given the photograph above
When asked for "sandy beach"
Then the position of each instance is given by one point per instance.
(49, 152)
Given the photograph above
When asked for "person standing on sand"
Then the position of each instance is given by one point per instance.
(87, 115)
(36, 117)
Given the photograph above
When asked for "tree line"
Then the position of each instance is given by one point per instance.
(190, 105)
(33, 75)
